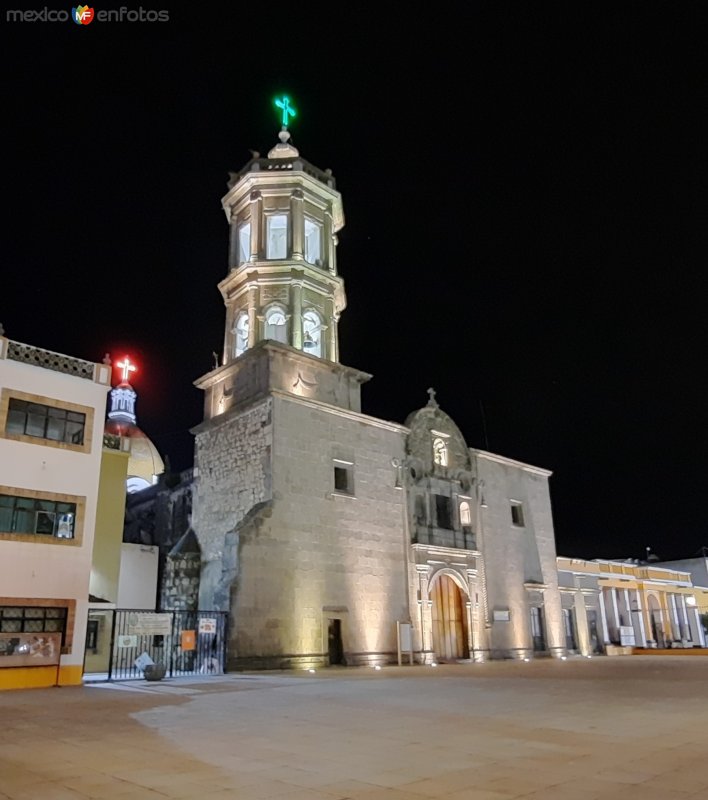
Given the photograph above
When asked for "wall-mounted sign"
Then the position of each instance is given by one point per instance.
(142, 661)
(127, 641)
(149, 624)
(188, 640)
(502, 615)
(207, 625)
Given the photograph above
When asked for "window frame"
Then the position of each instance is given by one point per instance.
(38, 498)
(276, 308)
(317, 352)
(9, 394)
(317, 225)
(269, 221)
(241, 315)
(42, 412)
(245, 225)
(49, 603)
(518, 519)
(443, 501)
(345, 468)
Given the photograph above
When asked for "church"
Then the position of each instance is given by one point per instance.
(330, 536)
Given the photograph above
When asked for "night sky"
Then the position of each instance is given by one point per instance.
(524, 193)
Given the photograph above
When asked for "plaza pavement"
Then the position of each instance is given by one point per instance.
(626, 727)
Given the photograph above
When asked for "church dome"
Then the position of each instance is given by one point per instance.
(145, 462)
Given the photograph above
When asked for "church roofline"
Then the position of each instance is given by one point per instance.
(483, 454)
(345, 413)
(280, 165)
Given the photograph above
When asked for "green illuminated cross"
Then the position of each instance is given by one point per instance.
(288, 110)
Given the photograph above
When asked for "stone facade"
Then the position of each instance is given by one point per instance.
(322, 528)
(180, 583)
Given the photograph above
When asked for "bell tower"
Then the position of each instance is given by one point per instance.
(282, 293)
(284, 215)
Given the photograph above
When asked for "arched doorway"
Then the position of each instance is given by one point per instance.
(449, 620)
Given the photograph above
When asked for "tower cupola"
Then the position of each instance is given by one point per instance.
(284, 214)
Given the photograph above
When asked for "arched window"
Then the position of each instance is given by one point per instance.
(241, 332)
(465, 515)
(312, 333)
(275, 327)
(440, 452)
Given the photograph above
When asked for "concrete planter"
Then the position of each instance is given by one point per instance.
(154, 672)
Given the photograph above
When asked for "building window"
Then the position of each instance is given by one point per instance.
(276, 325)
(538, 636)
(31, 635)
(440, 451)
(241, 333)
(517, 514)
(465, 514)
(313, 241)
(25, 418)
(277, 236)
(30, 515)
(443, 512)
(421, 515)
(343, 477)
(312, 333)
(244, 243)
(32, 619)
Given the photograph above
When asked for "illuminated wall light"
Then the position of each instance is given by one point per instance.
(434, 664)
(564, 658)
(311, 671)
(527, 660)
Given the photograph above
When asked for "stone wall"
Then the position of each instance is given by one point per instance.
(520, 560)
(180, 585)
(233, 473)
(316, 554)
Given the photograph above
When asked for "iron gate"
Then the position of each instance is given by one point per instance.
(185, 642)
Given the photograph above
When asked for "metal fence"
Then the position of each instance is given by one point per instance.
(184, 642)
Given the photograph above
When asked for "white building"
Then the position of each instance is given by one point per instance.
(321, 528)
(52, 409)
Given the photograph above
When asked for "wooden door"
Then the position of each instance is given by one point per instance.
(449, 628)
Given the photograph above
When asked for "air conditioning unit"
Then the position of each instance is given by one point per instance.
(65, 526)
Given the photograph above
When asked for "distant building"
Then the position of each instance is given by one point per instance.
(322, 528)
(52, 409)
(609, 604)
(697, 566)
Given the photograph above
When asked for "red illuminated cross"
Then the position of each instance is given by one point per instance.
(127, 368)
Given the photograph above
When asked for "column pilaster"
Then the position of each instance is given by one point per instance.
(297, 225)
(252, 313)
